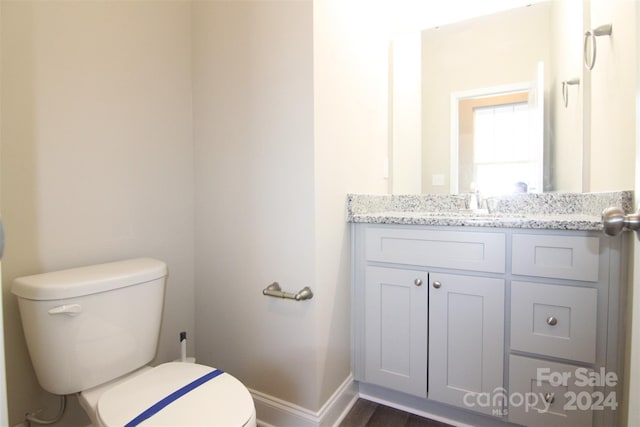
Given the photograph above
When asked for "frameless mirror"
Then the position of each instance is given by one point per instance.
(479, 105)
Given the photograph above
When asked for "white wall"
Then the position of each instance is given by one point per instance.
(612, 98)
(405, 114)
(4, 416)
(565, 153)
(350, 63)
(97, 156)
(253, 103)
(631, 395)
(278, 147)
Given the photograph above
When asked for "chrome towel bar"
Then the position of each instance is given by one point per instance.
(273, 290)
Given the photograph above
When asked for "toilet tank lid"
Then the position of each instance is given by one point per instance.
(87, 280)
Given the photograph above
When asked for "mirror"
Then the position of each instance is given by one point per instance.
(534, 50)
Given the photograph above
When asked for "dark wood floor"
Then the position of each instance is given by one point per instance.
(369, 414)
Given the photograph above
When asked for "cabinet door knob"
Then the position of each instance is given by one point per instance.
(417, 282)
(437, 284)
(552, 321)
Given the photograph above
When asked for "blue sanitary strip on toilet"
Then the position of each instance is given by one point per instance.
(172, 397)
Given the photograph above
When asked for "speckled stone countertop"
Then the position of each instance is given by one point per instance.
(551, 211)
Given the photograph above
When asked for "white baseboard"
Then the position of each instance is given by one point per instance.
(274, 412)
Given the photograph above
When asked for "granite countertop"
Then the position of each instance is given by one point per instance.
(551, 211)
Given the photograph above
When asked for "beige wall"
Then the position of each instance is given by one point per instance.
(612, 99)
(4, 416)
(350, 60)
(253, 104)
(632, 363)
(277, 150)
(405, 113)
(97, 158)
(102, 148)
(564, 155)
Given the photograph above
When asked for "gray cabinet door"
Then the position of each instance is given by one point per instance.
(396, 329)
(466, 340)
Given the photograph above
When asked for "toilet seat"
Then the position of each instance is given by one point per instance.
(217, 400)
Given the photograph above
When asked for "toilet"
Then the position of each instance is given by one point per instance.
(93, 330)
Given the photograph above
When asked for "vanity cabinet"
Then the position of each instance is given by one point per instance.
(463, 318)
(466, 337)
(416, 313)
(396, 332)
(476, 318)
(559, 313)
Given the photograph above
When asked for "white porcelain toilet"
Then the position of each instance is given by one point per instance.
(91, 330)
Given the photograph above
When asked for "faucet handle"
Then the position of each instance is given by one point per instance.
(462, 200)
(491, 203)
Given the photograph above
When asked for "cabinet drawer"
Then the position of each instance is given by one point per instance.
(554, 320)
(447, 249)
(560, 257)
(536, 380)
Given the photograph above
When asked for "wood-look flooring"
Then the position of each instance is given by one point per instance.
(369, 414)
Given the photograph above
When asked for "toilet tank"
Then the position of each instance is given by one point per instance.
(86, 326)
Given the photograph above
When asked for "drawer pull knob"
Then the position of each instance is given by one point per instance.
(552, 321)
(437, 284)
(549, 397)
(417, 282)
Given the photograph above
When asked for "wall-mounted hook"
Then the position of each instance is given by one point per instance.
(565, 89)
(603, 30)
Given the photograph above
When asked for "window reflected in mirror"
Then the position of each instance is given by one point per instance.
(496, 152)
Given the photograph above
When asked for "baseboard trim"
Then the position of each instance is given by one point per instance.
(272, 411)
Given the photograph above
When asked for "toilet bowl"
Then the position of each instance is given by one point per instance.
(171, 394)
(93, 330)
